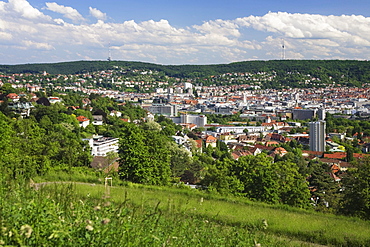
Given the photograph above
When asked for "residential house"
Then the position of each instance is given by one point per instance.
(97, 120)
(13, 97)
(83, 121)
(54, 100)
(280, 151)
(211, 141)
(239, 153)
(22, 108)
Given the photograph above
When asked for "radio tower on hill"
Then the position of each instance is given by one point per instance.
(109, 53)
(283, 51)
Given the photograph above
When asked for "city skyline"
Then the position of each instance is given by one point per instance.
(191, 32)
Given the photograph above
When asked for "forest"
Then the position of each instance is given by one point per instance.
(349, 72)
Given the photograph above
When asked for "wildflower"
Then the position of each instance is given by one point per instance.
(105, 221)
(89, 227)
(26, 230)
(256, 244)
(97, 208)
(264, 224)
(89, 222)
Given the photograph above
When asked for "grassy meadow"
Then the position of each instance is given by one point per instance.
(76, 214)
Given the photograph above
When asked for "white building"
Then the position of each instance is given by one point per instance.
(101, 146)
(317, 136)
(199, 120)
(240, 129)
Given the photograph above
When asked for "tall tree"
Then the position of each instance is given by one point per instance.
(356, 199)
(143, 156)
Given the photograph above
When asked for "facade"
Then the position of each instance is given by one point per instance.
(97, 120)
(317, 136)
(304, 114)
(199, 120)
(321, 114)
(101, 146)
(240, 129)
(162, 109)
(22, 108)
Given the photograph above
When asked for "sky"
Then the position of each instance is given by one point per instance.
(183, 32)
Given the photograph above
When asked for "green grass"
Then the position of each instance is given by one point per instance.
(282, 220)
(60, 214)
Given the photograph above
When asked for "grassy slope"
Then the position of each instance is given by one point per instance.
(62, 214)
(287, 222)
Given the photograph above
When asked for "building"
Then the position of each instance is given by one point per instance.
(321, 114)
(83, 121)
(304, 114)
(22, 108)
(317, 136)
(162, 109)
(199, 120)
(240, 129)
(101, 146)
(97, 120)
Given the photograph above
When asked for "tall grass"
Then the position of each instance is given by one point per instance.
(135, 215)
(80, 215)
(304, 225)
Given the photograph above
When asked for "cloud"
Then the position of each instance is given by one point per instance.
(67, 12)
(22, 9)
(37, 37)
(97, 14)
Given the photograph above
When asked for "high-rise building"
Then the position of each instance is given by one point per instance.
(321, 114)
(317, 136)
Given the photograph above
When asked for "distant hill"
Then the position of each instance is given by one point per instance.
(352, 69)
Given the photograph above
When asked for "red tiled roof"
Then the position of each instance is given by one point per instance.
(82, 119)
(199, 143)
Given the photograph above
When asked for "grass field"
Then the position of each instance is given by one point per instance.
(135, 215)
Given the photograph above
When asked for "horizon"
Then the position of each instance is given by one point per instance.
(184, 32)
(286, 60)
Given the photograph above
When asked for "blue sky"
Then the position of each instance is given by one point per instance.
(182, 32)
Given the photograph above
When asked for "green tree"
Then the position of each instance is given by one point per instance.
(356, 199)
(325, 191)
(143, 156)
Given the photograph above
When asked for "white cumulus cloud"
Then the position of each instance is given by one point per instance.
(37, 37)
(97, 14)
(67, 12)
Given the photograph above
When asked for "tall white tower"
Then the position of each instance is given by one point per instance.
(109, 53)
(317, 136)
(283, 50)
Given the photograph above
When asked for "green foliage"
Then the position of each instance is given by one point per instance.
(86, 215)
(356, 186)
(144, 159)
(325, 191)
(260, 179)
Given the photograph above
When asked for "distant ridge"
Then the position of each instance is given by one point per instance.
(359, 70)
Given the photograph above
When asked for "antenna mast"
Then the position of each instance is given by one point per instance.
(109, 53)
(283, 50)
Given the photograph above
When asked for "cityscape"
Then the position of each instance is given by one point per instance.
(190, 123)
